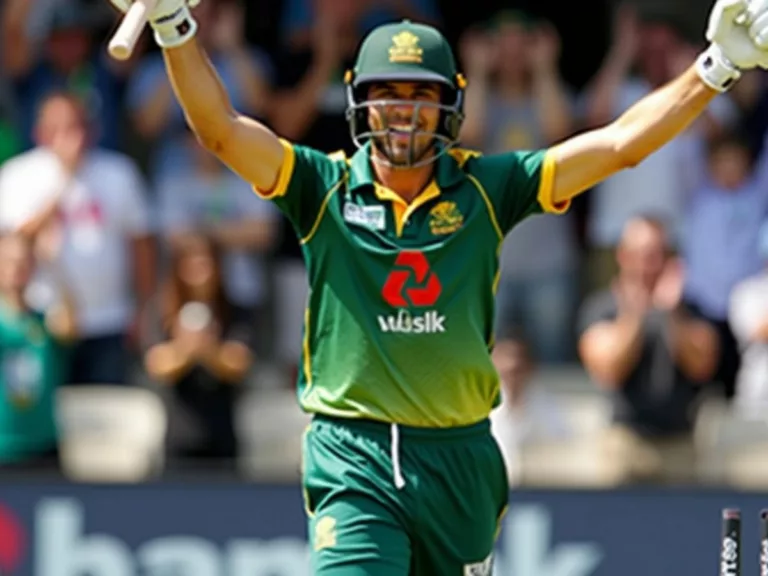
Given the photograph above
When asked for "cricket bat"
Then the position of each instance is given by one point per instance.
(124, 39)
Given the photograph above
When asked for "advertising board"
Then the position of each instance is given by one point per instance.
(259, 530)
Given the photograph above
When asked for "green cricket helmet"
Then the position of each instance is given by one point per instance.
(406, 52)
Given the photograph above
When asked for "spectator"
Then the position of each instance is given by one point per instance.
(723, 222)
(299, 16)
(201, 353)
(527, 414)
(639, 343)
(748, 317)
(645, 55)
(213, 200)
(67, 59)
(156, 114)
(517, 100)
(33, 363)
(95, 199)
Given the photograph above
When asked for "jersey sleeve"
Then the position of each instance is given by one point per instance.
(305, 179)
(519, 184)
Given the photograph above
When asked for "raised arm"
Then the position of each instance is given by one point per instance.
(248, 147)
(589, 158)
(549, 93)
(602, 93)
(293, 110)
(478, 59)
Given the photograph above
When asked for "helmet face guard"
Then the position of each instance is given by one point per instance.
(441, 140)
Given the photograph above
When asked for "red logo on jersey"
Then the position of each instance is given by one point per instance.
(411, 265)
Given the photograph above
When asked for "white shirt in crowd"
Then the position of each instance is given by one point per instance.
(103, 209)
(749, 309)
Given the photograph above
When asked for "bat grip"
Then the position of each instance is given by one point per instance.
(126, 36)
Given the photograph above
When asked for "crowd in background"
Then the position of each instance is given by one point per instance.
(128, 247)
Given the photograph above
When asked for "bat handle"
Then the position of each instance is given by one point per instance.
(126, 36)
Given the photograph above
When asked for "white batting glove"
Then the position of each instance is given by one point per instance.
(171, 20)
(733, 48)
(757, 19)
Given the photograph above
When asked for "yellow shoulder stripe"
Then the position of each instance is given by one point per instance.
(284, 177)
(461, 155)
(546, 187)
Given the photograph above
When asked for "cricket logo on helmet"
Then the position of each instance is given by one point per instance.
(405, 48)
(405, 52)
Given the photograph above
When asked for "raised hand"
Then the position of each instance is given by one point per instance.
(668, 292)
(228, 32)
(170, 19)
(756, 18)
(632, 298)
(326, 38)
(626, 33)
(163, 7)
(544, 50)
(478, 53)
(740, 31)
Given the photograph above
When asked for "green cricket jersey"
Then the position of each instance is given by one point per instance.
(399, 322)
(31, 368)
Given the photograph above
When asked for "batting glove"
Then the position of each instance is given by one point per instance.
(171, 20)
(733, 28)
(758, 23)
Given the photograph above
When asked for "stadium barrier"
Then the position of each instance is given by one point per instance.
(221, 529)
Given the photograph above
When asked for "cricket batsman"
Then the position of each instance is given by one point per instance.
(401, 474)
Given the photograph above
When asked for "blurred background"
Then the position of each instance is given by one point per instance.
(632, 332)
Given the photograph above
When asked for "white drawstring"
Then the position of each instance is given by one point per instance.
(398, 473)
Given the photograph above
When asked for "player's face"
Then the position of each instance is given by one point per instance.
(409, 124)
(16, 264)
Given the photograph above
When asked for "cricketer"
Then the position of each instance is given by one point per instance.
(401, 474)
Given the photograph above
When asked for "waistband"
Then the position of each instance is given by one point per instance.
(415, 433)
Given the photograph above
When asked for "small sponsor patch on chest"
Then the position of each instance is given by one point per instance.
(445, 218)
(372, 217)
